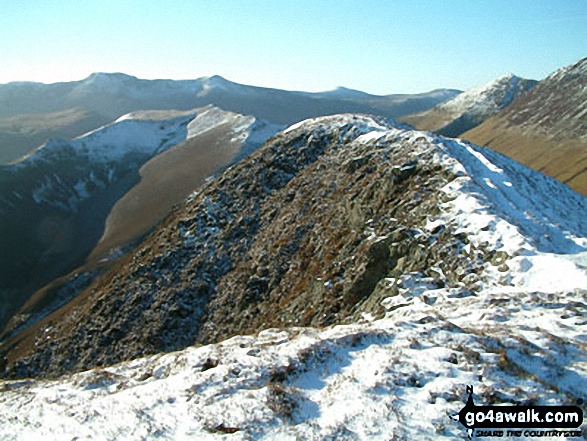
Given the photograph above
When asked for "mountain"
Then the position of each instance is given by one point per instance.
(115, 94)
(337, 220)
(456, 266)
(19, 134)
(55, 203)
(215, 139)
(471, 108)
(108, 96)
(545, 129)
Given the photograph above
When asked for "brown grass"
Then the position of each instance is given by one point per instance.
(165, 181)
(565, 160)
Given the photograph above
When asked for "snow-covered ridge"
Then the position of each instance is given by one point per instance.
(212, 117)
(537, 221)
(518, 337)
(154, 115)
(578, 68)
(485, 101)
(402, 376)
(140, 136)
(142, 133)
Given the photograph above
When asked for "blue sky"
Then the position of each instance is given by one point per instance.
(376, 46)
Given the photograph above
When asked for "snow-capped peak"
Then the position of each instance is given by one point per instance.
(217, 83)
(482, 102)
(104, 79)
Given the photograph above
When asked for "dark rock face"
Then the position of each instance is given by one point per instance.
(315, 228)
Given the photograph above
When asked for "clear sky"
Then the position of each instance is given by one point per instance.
(378, 46)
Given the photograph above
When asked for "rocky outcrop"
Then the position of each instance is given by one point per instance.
(315, 228)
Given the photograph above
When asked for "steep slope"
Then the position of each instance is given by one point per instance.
(471, 108)
(320, 226)
(215, 139)
(20, 134)
(54, 203)
(545, 129)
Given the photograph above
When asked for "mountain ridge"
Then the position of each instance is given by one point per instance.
(545, 128)
(269, 244)
(472, 107)
(112, 95)
(56, 203)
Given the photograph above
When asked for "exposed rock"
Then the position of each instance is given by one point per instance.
(293, 235)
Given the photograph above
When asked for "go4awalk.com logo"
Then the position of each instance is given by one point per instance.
(526, 421)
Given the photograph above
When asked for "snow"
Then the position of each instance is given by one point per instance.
(519, 337)
(485, 101)
(400, 376)
(213, 117)
(133, 136)
(134, 87)
(137, 136)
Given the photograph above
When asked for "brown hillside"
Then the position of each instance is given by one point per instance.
(166, 180)
(306, 231)
(546, 128)
(563, 159)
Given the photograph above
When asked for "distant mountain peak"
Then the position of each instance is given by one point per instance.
(471, 108)
(345, 92)
(217, 82)
(108, 77)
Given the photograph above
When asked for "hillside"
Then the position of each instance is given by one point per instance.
(215, 139)
(546, 129)
(55, 203)
(470, 108)
(456, 266)
(19, 134)
(328, 220)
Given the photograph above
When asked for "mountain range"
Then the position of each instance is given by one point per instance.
(541, 124)
(207, 272)
(91, 197)
(31, 113)
(469, 109)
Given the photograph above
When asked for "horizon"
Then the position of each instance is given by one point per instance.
(210, 76)
(377, 47)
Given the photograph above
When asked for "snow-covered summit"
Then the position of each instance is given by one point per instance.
(482, 102)
(472, 107)
(546, 128)
(108, 79)
(217, 82)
